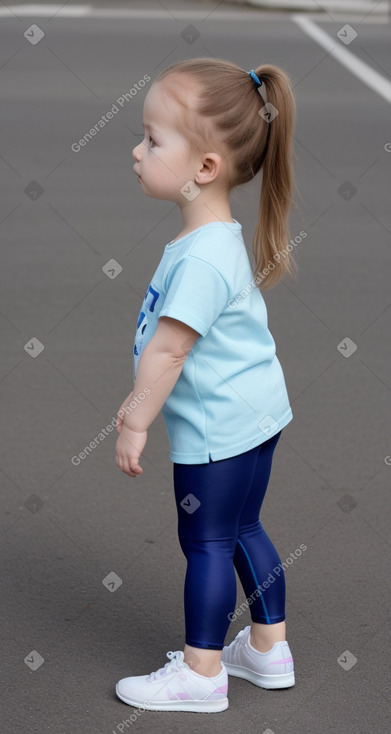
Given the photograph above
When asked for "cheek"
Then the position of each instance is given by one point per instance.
(157, 162)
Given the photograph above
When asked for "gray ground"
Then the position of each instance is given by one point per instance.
(65, 528)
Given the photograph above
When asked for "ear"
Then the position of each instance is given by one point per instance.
(210, 168)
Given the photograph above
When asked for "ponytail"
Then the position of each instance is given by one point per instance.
(272, 258)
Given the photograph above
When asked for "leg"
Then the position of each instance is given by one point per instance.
(258, 563)
(209, 504)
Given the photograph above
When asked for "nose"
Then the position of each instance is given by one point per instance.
(136, 152)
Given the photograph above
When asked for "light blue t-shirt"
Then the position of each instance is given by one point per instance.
(231, 394)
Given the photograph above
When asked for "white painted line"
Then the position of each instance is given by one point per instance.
(178, 14)
(45, 11)
(365, 73)
(334, 6)
(89, 11)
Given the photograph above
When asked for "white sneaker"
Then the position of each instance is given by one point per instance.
(176, 687)
(272, 669)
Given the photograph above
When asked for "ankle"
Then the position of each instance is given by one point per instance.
(264, 636)
(202, 661)
(260, 645)
(206, 671)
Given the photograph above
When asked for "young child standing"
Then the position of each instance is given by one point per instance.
(203, 354)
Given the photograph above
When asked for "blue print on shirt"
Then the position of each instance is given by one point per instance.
(148, 307)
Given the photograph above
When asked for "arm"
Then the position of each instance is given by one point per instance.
(159, 367)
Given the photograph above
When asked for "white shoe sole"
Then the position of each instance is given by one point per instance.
(198, 706)
(284, 680)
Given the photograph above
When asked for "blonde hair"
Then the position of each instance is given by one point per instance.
(220, 104)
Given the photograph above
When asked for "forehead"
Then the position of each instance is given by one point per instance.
(170, 100)
(160, 109)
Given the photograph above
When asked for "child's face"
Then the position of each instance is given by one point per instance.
(164, 160)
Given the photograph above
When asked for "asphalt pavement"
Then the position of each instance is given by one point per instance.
(92, 571)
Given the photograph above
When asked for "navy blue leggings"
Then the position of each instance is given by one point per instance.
(218, 506)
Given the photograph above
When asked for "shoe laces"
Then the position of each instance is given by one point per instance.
(176, 663)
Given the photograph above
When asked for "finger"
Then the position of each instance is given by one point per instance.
(135, 466)
(128, 467)
(122, 461)
(132, 467)
(119, 462)
(121, 465)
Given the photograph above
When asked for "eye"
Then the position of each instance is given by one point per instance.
(151, 140)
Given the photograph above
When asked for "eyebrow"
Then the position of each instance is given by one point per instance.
(151, 127)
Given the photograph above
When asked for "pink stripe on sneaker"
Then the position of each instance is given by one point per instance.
(183, 696)
(221, 689)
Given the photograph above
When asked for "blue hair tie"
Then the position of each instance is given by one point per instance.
(255, 78)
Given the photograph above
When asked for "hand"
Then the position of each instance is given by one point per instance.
(129, 447)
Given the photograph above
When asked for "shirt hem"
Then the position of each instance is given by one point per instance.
(181, 457)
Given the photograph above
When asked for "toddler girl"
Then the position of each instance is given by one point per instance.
(203, 354)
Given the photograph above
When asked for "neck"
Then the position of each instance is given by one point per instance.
(202, 210)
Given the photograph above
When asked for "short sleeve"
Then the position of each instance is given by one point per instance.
(196, 293)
